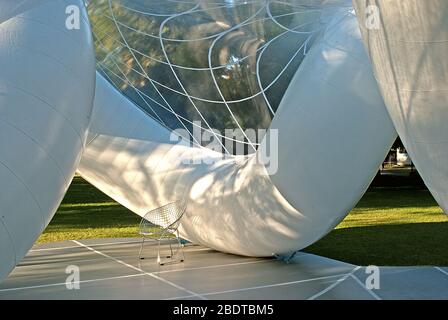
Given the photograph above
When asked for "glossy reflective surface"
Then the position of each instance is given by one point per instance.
(206, 64)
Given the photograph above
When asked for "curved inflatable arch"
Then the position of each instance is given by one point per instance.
(408, 50)
(47, 79)
(331, 108)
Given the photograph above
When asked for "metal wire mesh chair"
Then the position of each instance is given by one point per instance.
(161, 223)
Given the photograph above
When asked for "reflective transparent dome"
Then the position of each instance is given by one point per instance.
(213, 65)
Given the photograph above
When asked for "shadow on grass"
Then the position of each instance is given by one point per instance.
(81, 191)
(94, 216)
(88, 213)
(392, 198)
(387, 245)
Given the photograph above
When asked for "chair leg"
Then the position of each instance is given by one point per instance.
(181, 248)
(159, 261)
(171, 251)
(141, 248)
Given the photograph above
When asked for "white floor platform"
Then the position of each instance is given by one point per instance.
(110, 269)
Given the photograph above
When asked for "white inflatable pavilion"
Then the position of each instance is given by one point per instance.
(47, 83)
(285, 192)
(409, 54)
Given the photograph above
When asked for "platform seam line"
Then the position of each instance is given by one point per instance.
(335, 284)
(441, 270)
(140, 270)
(264, 286)
(370, 291)
(74, 282)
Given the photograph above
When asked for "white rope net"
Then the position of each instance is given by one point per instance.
(208, 65)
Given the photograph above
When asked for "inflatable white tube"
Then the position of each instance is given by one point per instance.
(408, 49)
(333, 132)
(47, 83)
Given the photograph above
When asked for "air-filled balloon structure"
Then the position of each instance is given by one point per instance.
(139, 97)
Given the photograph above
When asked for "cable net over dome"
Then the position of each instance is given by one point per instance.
(207, 65)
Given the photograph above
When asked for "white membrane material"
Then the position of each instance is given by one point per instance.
(47, 79)
(333, 133)
(409, 52)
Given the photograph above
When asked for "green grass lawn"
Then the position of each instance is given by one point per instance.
(87, 213)
(389, 226)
